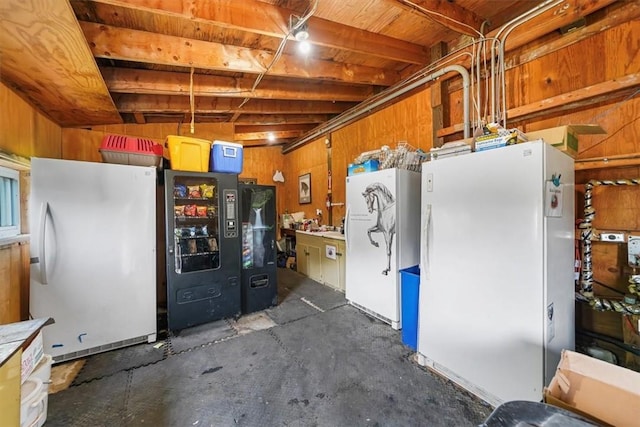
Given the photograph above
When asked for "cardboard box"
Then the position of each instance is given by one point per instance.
(606, 393)
(565, 138)
(31, 356)
(500, 139)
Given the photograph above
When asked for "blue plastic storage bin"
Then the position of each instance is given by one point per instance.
(410, 291)
(368, 166)
(226, 157)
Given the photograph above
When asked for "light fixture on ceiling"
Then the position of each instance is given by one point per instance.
(301, 34)
(271, 137)
(300, 31)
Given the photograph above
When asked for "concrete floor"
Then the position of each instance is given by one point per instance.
(313, 360)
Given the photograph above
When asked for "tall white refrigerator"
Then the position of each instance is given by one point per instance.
(382, 237)
(93, 255)
(497, 259)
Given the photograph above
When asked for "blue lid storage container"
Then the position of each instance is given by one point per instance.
(226, 157)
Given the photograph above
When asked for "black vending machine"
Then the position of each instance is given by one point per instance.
(258, 243)
(203, 253)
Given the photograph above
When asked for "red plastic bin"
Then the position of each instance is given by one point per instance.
(127, 150)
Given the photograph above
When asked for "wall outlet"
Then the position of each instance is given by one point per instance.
(612, 237)
(318, 212)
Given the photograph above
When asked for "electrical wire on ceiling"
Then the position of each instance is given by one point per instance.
(431, 12)
(278, 53)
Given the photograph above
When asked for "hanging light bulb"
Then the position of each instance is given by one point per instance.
(300, 33)
(271, 137)
(304, 47)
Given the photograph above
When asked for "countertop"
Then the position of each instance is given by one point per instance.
(14, 335)
(328, 234)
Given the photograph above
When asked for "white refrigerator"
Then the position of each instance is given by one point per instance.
(382, 237)
(93, 255)
(496, 303)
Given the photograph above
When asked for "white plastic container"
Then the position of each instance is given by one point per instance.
(43, 371)
(32, 397)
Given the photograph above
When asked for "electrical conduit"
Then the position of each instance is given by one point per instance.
(388, 95)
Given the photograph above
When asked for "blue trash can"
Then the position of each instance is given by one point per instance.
(409, 289)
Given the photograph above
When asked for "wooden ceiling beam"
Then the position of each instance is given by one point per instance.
(127, 80)
(281, 119)
(283, 134)
(266, 19)
(153, 48)
(180, 104)
(139, 118)
(273, 128)
(265, 143)
(447, 14)
(558, 17)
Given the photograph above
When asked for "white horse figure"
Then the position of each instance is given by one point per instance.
(386, 223)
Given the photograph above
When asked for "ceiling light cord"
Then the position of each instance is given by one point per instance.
(192, 103)
(278, 53)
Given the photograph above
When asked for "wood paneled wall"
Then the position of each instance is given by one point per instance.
(408, 120)
(159, 131)
(261, 163)
(24, 131)
(606, 56)
(312, 159)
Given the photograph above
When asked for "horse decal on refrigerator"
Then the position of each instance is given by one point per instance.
(380, 199)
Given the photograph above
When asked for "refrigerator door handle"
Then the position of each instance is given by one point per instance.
(424, 251)
(346, 228)
(44, 209)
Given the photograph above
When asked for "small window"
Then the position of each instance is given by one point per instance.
(9, 202)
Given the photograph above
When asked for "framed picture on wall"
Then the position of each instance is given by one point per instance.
(304, 189)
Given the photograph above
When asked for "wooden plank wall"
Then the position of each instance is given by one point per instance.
(24, 131)
(261, 163)
(10, 269)
(408, 120)
(312, 159)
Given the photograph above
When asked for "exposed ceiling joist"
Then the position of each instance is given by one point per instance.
(180, 104)
(266, 19)
(126, 80)
(140, 46)
(274, 119)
